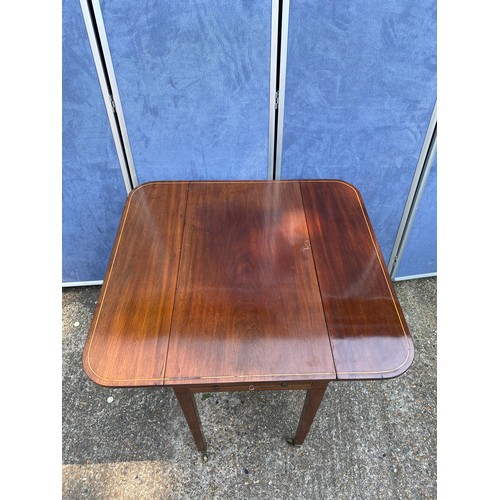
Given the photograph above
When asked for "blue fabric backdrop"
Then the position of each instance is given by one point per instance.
(420, 254)
(194, 83)
(193, 78)
(360, 90)
(93, 191)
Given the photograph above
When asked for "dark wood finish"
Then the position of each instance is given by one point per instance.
(255, 386)
(128, 339)
(188, 406)
(368, 331)
(262, 285)
(311, 404)
(247, 307)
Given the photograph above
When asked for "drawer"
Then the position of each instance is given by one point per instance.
(257, 386)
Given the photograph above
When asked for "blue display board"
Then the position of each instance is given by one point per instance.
(420, 253)
(193, 78)
(93, 190)
(360, 91)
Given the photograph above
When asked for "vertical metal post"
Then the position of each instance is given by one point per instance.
(422, 170)
(285, 13)
(272, 88)
(102, 58)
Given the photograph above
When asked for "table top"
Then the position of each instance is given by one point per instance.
(245, 281)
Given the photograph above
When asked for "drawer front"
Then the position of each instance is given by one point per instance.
(258, 386)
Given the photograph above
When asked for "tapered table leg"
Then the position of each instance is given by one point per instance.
(188, 406)
(311, 405)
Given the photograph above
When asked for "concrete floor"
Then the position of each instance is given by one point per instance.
(374, 439)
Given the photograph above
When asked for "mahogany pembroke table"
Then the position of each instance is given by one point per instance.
(242, 286)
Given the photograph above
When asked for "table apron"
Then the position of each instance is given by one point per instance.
(256, 386)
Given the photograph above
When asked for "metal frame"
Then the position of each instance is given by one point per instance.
(285, 13)
(416, 276)
(82, 283)
(272, 87)
(422, 170)
(104, 66)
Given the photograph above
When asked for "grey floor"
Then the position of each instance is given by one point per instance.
(374, 439)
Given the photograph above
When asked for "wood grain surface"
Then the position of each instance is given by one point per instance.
(248, 305)
(369, 334)
(128, 338)
(241, 282)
